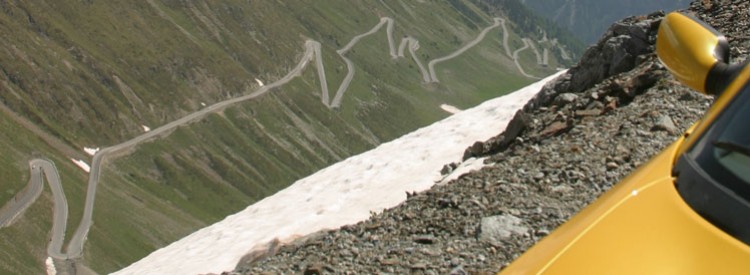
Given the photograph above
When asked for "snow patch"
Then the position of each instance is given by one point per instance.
(449, 108)
(51, 270)
(91, 151)
(82, 164)
(260, 83)
(146, 128)
(343, 193)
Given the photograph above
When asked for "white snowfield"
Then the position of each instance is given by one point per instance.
(344, 193)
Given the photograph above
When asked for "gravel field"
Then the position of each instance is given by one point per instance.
(583, 133)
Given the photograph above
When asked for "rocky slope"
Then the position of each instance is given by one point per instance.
(580, 135)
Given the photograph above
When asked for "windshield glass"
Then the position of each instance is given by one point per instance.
(714, 175)
(735, 157)
(723, 150)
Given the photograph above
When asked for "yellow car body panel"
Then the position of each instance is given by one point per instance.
(641, 226)
(688, 48)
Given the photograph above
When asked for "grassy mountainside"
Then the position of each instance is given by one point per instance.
(92, 73)
(588, 19)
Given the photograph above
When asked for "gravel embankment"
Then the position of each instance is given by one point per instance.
(580, 136)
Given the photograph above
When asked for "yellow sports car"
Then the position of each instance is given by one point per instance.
(687, 211)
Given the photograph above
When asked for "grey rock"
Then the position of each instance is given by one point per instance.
(425, 239)
(541, 232)
(448, 168)
(317, 269)
(565, 99)
(459, 270)
(455, 262)
(419, 266)
(499, 143)
(665, 123)
(539, 176)
(494, 229)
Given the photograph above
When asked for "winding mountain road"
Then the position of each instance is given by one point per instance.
(40, 167)
(516, 58)
(344, 86)
(413, 45)
(536, 51)
(336, 102)
(75, 246)
(506, 37)
(39, 170)
(480, 37)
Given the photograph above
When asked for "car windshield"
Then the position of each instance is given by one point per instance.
(735, 157)
(724, 150)
(714, 175)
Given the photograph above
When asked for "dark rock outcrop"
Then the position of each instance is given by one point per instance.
(625, 45)
(515, 127)
(620, 49)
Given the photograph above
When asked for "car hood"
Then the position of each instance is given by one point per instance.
(640, 226)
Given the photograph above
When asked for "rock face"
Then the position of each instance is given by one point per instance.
(496, 229)
(624, 46)
(577, 138)
(518, 123)
(627, 44)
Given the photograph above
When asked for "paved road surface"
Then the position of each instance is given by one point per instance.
(506, 37)
(518, 64)
(321, 72)
(536, 51)
(336, 102)
(480, 37)
(413, 45)
(39, 170)
(22, 200)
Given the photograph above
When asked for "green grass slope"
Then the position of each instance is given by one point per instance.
(91, 73)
